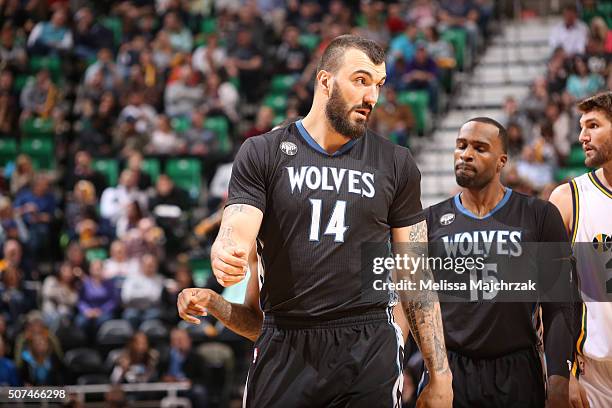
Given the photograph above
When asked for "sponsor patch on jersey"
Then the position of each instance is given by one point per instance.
(289, 148)
(447, 219)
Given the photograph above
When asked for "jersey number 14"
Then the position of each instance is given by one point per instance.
(335, 226)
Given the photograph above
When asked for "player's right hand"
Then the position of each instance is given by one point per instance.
(228, 264)
(193, 302)
(577, 394)
(437, 394)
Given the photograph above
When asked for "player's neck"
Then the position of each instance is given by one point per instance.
(604, 174)
(321, 131)
(481, 201)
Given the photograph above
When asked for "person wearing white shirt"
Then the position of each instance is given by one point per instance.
(115, 200)
(571, 34)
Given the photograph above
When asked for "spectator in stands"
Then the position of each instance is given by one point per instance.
(59, 297)
(83, 170)
(179, 36)
(403, 46)
(111, 77)
(89, 36)
(515, 141)
(37, 205)
(129, 220)
(199, 140)
(23, 175)
(129, 55)
(15, 300)
(463, 14)
(168, 194)
(119, 266)
(12, 225)
(562, 129)
(538, 160)
(141, 293)
(8, 371)
(98, 300)
(291, 56)
(39, 97)
(12, 54)
(162, 51)
(423, 13)
(164, 140)
(143, 114)
(51, 37)
(210, 57)
(263, 122)
(185, 94)
(512, 114)
(8, 115)
(571, 33)
(440, 50)
(185, 364)
(373, 27)
(115, 200)
(582, 83)
(143, 179)
(422, 73)
(557, 72)
(248, 59)
(392, 119)
(137, 363)
(148, 238)
(40, 365)
(535, 103)
(221, 97)
(145, 77)
(598, 37)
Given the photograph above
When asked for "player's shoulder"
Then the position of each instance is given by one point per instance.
(439, 209)
(271, 138)
(401, 155)
(535, 204)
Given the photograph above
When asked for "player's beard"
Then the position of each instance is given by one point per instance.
(474, 179)
(601, 154)
(339, 116)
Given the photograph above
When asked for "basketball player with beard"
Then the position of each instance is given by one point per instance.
(493, 344)
(310, 195)
(585, 204)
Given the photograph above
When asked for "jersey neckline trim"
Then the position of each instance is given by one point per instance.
(599, 184)
(498, 207)
(312, 143)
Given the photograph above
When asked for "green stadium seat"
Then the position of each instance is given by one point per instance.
(20, 82)
(458, 38)
(95, 254)
(418, 102)
(567, 173)
(282, 84)
(108, 167)
(309, 41)
(187, 174)
(41, 150)
(180, 124)
(52, 63)
(277, 102)
(116, 26)
(151, 167)
(220, 126)
(576, 157)
(8, 150)
(208, 25)
(201, 270)
(38, 127)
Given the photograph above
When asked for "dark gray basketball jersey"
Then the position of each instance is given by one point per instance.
(319, 209)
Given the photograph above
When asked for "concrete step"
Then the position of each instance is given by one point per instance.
(491, 97)
(534, 31)
(516, 54)
(488, 74)
(457, 117)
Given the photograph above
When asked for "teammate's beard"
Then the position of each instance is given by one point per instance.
(474, 180)
(339, 116)
(602, 154)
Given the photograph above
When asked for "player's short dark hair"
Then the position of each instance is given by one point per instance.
(333, 55)
(600, 102)
(502, 133)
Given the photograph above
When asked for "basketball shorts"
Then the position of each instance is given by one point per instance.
(514, 380)
(349, 362)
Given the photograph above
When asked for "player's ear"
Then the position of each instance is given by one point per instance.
(324, 78)
(501, 163)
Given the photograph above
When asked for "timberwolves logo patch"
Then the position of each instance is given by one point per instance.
(447, 219)
(289, 148)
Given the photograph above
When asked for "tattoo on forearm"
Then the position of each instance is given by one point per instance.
(422, 307)
(225, 236)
